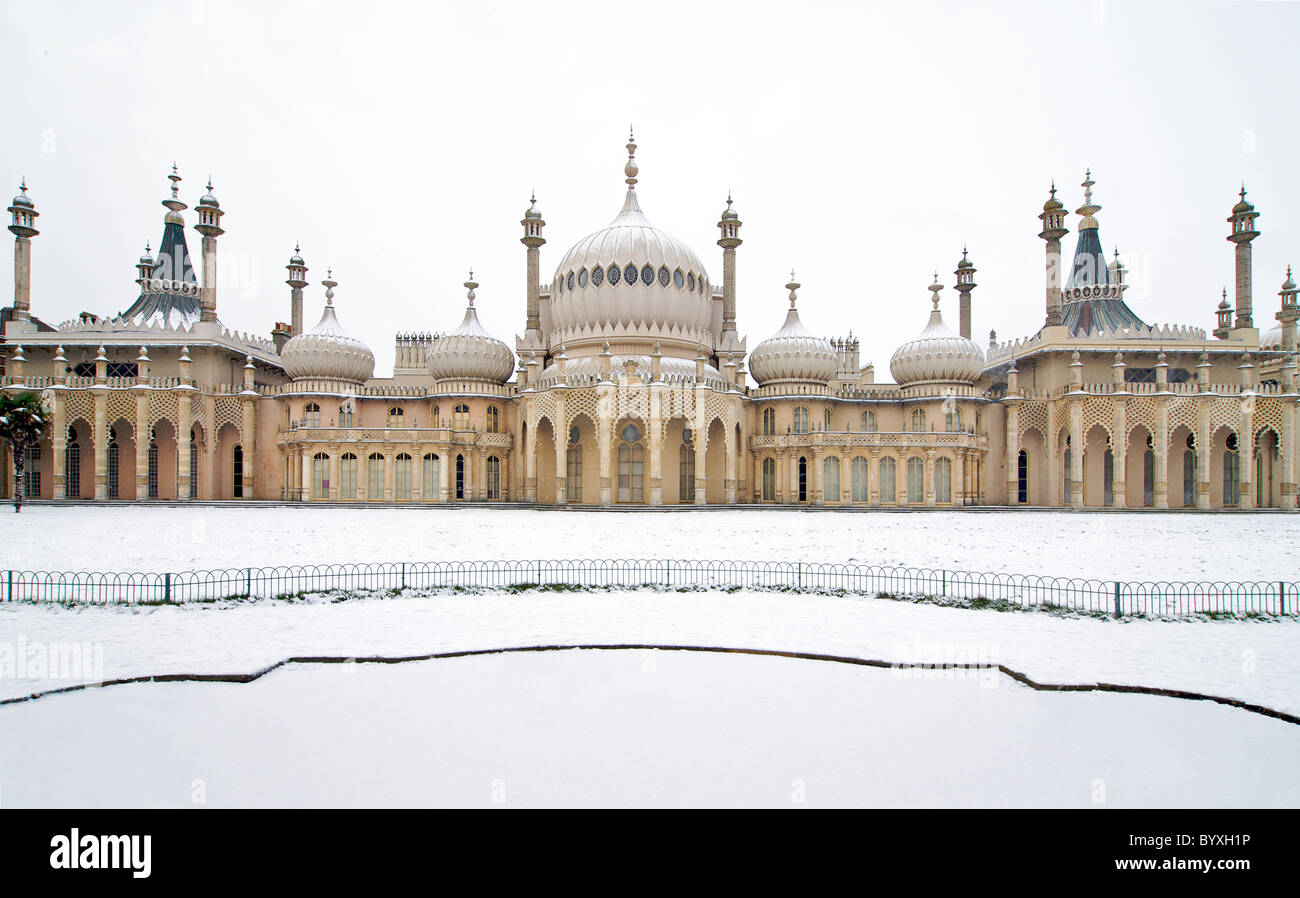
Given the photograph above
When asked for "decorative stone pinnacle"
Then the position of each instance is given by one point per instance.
(631, 169)
(934, 289)
(329, 284)
(470, 285)
(176, 180)
(793, 287)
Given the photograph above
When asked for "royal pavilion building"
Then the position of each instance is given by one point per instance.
(632, 384)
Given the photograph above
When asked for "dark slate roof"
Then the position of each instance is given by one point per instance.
(1105, 313)
(1089, 267)
(173, 266)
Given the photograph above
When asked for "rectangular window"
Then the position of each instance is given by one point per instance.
(860, 479)
(320, 476)
(402, 479)
(32, 473)
(153, 470)
(431, 484)
(194, 471)
(72, 470)
(493, 477)
(348, 477)
(375, 478)
(888, 490)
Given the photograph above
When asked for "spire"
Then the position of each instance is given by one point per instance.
(173, 202)
(1089, 268)
(1089, 208)
(470, 285)
(329, 284)
(793, 287)
(631, 169)
(935, 288)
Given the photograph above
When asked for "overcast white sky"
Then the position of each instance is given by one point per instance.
(863, 143)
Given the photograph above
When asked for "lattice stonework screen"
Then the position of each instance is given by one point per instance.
(1033, 415)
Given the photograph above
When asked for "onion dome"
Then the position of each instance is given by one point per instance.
(326, 352)
(533, 211)
(792, 354)
(296, 258)
(147, 258)
(1053, 204)
(470, 352)
(22, 199)
(937, 355)
(729, 214)
(631, 278)
(208, 199)
(1243, 205)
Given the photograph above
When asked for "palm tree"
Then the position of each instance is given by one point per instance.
(22, 421)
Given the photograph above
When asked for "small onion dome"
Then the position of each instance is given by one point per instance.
(937, 355)
(470, 352)
(729, 214)
(1243, 206)
(147, 258)
(327, 353)
(965, 262)
(208, 199)
(22, 199)
(792, 354)
(1053, 204)
(296, 258)
(533, 211)
(1272, 338)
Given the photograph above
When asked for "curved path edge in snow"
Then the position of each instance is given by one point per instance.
(776, 653)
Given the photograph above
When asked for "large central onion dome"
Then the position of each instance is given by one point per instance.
(326, 352)
(937, 355)
(631, 280)
(792, 354)
(470, 352)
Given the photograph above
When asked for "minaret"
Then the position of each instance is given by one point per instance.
(1117, 273)
(1290, 312)
(1223, 325)
(965, 284)
(533, 224)
(23, 228)
(729, 226)
(1053, 218)
(209, 225)
(145, 267)
(297, 281)
(1243, 232)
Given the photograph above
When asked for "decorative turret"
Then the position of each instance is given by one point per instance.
(171, 293)
(326, 352)
(965, 284)
(470, 352)
(729, 226)
(1053, 218)
(1289, 313)
(1118, 272)
(1242, 220)
(533, 225)
(1223, 314)
(209, 225)
(793, 355)
(23, 227)
(297, 280)
(937, 355)
(145, 267)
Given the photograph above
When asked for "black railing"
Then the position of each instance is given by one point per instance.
(1109, 597)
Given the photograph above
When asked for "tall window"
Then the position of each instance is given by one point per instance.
(493, 419)
(918, 420)
(1108, 477)
(311, 415)
(868, 422)
(1022, 477)
(888, 480)
(769, 422)
(915, 480)
(573, 473)
(686, 474)
(827, 419)
(320, 476)
(831, 479)
(801, 420)
(153, 466)
(1189, 476)
(860, 471)
(237, 471)
(72, 467)
(1149, 478)
(631, 466)
(375, 477)
(430, 473)
(396, 416)
(769, 480)
(1231, 473)
(435, 419)
(402, 475)
(460, 477)
(194, 466)
(803, 479)
(32, 473)
(493, 477)
(348, 476)
(114, 464)
(460, 417)
(345, 416)
(943, 479)
(952, 420)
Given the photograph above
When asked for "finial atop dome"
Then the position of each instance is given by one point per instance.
(935, 288)
(329, 284)
(1089, 208)
(1223, 303)
(471, 285)
(793, 287)
(631, 168)
(173, 202)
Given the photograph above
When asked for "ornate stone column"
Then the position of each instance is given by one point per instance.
(142, 440)
(59, 445)
(1119, 454)
(184, 424)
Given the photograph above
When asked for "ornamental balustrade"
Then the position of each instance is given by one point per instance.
(869, 439)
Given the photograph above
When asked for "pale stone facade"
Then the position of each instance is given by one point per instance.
(629, 387)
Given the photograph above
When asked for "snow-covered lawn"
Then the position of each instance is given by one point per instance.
(620, 728)
(1136, 546)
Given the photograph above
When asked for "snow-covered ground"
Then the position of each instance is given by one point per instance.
(1135, 546)
(628, 728)
(1249, 660)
